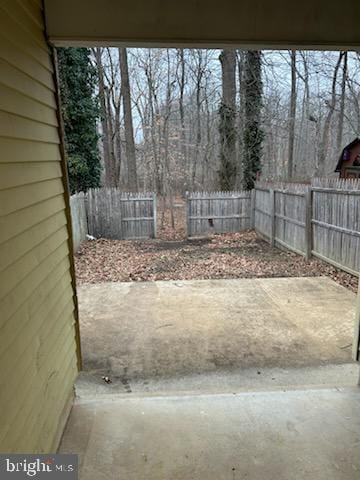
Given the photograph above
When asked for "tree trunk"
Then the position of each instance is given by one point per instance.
(128, 122)
(307, 161)
(292, 116)
(181, 81)
(153, 128)
(113, 178)
(253, 134)
(104, 122)
(227, 112)
(324, 145)
(199, 80)
(241, 114)
(342, 105)
(117, 142)
(168, 176)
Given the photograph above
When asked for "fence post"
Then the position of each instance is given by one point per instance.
(252, 208)
(356, 341)
(154, 215)
(90, 227)
(86, 209)
(272, 216)
(308, 223)
(188, 221)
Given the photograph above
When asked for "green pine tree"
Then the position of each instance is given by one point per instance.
(80, 111)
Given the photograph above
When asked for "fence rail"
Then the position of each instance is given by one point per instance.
(217, 212)
(322, 219)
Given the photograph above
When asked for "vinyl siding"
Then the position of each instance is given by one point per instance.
(38, 345)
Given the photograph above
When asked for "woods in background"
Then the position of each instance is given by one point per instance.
(172, 120)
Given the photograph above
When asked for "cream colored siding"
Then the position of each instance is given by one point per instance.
(38, 352)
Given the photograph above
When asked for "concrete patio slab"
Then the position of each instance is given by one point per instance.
(222, 381)
(163, 329)
(273, 435)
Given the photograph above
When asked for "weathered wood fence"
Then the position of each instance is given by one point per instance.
(78, 219)
(280, 216)
(110, 213)
(322, 219)
(116, 215)
(217, 212)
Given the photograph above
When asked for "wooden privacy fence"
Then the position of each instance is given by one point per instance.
(117, 215)
(280, 216)
(336, 223)
(322, 219)
(218, 212)
(110, 213)
(78, 219)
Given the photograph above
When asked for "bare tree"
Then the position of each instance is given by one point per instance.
(340, 130)
(292, 115)
(113, 102)
(181, 82)
(128, 121)
(198, 71)
(305, 116)
(327, 123)
(227, 111)
(104, 118)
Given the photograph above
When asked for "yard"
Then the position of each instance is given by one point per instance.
(174, 257)
(236, 255)
(146, 316)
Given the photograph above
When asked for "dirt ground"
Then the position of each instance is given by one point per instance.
(152, 329)
(238, 255)
(174, 257)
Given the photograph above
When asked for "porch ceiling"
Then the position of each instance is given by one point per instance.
(245, 23)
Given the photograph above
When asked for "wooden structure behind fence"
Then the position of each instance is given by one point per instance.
(116, 215)
(218, 212)
(321, 219)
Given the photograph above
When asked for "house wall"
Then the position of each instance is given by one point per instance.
(38, 347)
